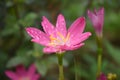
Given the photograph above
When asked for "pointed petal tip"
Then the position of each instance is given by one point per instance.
(9, 73)
(43, 17)
(60, 15)
(88, 12)
(28, 28)
(102, 10)
(82, 18)
(82, 44)
(32, 68)
(89, 33)
(32, 40)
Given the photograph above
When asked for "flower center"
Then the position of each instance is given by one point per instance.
(59, 40)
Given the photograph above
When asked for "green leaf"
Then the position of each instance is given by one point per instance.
(113, 51)
(16, 61)
(38, 50)
(41, 67)
(28, 20)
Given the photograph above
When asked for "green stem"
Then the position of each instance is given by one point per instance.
(99, 51)
(99, 62)
(76, 66)
(60, 62)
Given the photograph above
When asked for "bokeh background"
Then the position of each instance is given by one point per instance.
(16, 47)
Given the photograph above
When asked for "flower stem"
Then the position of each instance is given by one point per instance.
(99, 62)
(99, 52)
(60, 62)
(76, 66)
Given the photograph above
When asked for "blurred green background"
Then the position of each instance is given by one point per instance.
(16, 47)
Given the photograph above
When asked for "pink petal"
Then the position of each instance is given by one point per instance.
(84, 36)
(100, 14)
(102, 77)
(49, 50)
(31, 70)
(77, 27)
(100, 11)
(20, 70)
(38, 36)
(47, 26)
(74, 47)
(94, 18)
(80, 38)
(35, 77)
(11, 75)
(61, 25)
(91, 15)
(97, 19)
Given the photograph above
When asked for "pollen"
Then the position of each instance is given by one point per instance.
(59, 40)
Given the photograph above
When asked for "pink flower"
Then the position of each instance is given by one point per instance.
(59, 39)
(22, 74)
(102, 77)
(97, 19)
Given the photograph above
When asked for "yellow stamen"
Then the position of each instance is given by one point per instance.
(61, 36)
(56, 41)
(67, 38)
(52, 38)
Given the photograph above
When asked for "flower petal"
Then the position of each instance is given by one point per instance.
(61, 25)
(77, 27)
(80, 38)
(47, 26)
(35, 77)
(93, 17)
(49, 50)
(11, 75)
(97, 19)
(74, 47)
(100, 15)
(31, 70)
(38, 36)
(20, 69)
(100, 11)
(102, 77)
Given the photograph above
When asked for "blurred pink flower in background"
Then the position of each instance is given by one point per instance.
(59, 39)
(97, 19)
(22, 74)
(102, 77)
